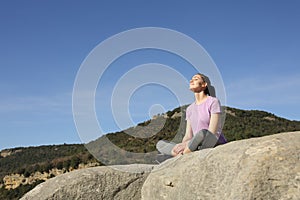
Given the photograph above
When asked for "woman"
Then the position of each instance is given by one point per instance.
(203, 127)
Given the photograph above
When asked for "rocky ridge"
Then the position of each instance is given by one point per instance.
(13, 181)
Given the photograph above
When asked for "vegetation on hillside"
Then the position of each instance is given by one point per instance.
(28, 160)
(243, 124)
(18, 192)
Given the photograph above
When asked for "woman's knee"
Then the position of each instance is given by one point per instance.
(196, 140)
(160, 144)
(200, 134)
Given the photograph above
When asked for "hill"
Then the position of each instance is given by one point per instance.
(19, 166)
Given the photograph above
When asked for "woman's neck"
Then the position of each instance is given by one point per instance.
(200, 97)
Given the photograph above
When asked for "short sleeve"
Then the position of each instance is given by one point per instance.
(215, 106)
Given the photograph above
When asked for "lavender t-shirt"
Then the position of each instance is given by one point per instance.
(199, 115)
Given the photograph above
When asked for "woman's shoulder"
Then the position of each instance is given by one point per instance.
(212, 100)
(214, 103)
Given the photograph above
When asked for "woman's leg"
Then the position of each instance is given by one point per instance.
(165, 147)
(196, 141)
(202, 140)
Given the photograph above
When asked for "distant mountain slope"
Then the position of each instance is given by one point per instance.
(239, 124)
(243, 124)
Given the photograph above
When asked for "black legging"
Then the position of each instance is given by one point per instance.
(201, 140)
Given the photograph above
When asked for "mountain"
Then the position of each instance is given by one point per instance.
(22, 168)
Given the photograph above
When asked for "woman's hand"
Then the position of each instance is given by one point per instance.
(178, 149)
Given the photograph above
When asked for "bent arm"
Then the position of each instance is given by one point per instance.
(179, 148)
(188, 132)
(214, 123)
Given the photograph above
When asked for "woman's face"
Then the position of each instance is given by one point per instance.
(197, 84)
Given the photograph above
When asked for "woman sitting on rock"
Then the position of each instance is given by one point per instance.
(203, 127)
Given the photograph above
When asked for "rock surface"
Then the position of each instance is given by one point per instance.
(258, 168)
(94, 183)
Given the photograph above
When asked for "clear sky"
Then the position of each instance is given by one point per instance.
(255, 45)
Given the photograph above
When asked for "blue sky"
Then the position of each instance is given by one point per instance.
(255, 45)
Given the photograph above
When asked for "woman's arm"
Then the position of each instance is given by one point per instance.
(214, 123)
(179, 148)
(188, 132)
